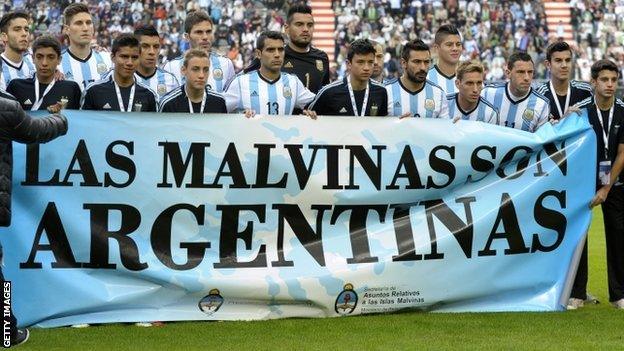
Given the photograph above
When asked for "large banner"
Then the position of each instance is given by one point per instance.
(163, 217)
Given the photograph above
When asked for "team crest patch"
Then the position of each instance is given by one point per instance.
(528, 115)
(211, 303)
(429, 104)
(161, 89)
(319, 65)
(217, 74)
(346, 300)
(287, 92)
(374, 110)
(101, 68)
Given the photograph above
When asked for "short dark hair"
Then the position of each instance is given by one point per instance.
(298, 8)
(414, 45)
(72, 10)
(268, 34)
(125, 40)
(47, 41)
(444, 31)
(518, 56)
(602, 65)
(10, 16)
(360, 47)
(195, 17)
(149, 31)
(557, 47)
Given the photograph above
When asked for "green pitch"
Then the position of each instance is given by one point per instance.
(592, 327)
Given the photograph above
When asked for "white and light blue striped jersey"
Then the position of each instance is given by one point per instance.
(445, 82)
(13, 70)
(85, 71)
(428, 102)
(278, 97)
(527, 114)
(161, 81)
(221, 71)
(483, 112)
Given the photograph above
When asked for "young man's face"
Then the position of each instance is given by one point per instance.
(126, 60)
(150, 47)
(605, 84)
(417, 65)
(560, 64)
(80, 29)
(272, 55)
(521, 76)
(361, 66)
(379, 60)
(300, 29)
(470, 86)
(450, 49)
(196, 72)
(201, 36)
(46, 61)
(17, 35)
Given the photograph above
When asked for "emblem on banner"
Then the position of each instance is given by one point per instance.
(346, 300)
(211, 303)
(429, 104)
(217, 74)
(101, 68)
(287, 92)
(528, 115)
(161, 89)
(319, 65)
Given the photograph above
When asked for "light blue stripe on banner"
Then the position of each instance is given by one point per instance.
(428, 95)
(272, 103)
(254, 91)
(396, 96)
(217, 65)
(481, 111)
(288, 98)
(67, 67)
(526, 125)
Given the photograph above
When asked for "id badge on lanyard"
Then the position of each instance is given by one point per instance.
(604, 172)
(604, 167)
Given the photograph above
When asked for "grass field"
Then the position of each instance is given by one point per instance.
(592, 327)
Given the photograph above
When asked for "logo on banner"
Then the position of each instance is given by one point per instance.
(528, 115)
(346, 300)
(211, 303)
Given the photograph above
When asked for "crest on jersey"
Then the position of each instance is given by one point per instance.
(161, 89)
(374, 110)
(528, 115)
(319, 65)
(101, 68)
(429, 104)
(217, 74)
(287, 92)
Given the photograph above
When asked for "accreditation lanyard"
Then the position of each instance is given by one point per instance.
(120, 100)
(605, 134)
(352, 96)
(203, 103)
(567, 101)
(38, 100)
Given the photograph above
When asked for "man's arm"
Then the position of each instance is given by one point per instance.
(25, 129)
(601, 194)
